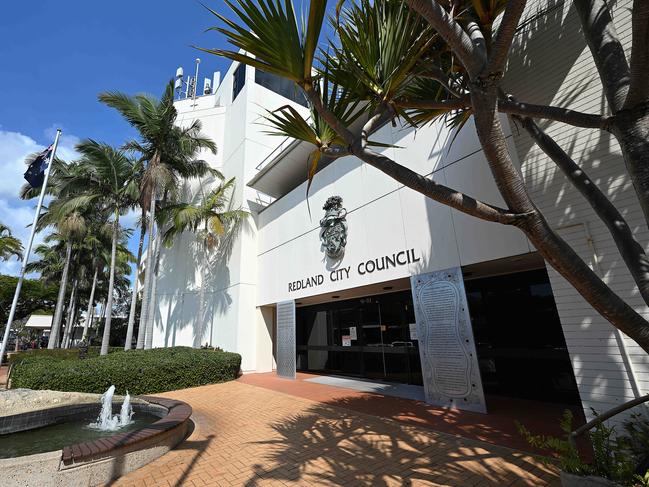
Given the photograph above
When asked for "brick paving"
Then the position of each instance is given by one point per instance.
(247, 435)
(3, 376)
(498, 427)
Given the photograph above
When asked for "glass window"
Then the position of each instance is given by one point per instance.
(281, 86)
(238, 80)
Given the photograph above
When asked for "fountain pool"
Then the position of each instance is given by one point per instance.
(70, 445)
(77, 430)
(56, 436)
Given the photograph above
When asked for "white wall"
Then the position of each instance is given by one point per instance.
(384, 217)
(552, 65)
(199, 297)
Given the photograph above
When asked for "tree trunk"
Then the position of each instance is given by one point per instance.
(58, 313)
(131, 314)
(111, 284)
(91, 307)
(630, 250)
(71, 310)
(102, 315)
(631, 128)
(549, 244)
(147, 273)
(150, 319)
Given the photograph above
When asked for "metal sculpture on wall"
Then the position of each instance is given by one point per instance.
(286, 339)
(449, 362)
(333, 233)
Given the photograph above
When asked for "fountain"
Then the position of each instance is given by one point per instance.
(70, 451)
(106, 421)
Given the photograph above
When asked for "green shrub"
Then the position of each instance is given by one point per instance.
(622, 459)
(55, 354)
(135, 371)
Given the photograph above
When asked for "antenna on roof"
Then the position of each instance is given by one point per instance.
(198, 61)
(178, 83)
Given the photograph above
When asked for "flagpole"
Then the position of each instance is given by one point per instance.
(14, 304)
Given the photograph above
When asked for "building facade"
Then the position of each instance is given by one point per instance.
(534, 337)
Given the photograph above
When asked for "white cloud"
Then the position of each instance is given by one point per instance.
(66, 144)
(18, 216)
(129, 220)
(14, 147)
(14, 212)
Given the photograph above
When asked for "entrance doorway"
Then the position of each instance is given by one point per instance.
(519, 340)
(367, 337)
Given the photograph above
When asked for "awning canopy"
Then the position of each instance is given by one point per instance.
(285, 170)
(40, 322)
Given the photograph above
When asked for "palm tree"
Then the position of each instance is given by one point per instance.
(70, 228)
(106, 178)
(50, 262)
(170, 153)
(9, 245)
(122, 271)
(131, 314)
(95, 243)
(214, 220)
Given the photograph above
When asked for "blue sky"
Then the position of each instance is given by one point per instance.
(55, 57)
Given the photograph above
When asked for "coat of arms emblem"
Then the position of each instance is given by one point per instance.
(333, 233)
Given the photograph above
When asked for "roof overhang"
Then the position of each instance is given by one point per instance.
(287, 169)
(288, 165)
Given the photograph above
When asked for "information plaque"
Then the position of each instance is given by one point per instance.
(286, 339)
(449, 361)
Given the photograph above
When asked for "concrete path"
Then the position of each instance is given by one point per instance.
(251, 436)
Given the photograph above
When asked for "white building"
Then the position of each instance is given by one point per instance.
(535, 337)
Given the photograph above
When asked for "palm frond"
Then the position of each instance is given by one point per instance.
(269, 37)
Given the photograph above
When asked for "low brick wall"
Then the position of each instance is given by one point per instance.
(178, 414)
(99, 461)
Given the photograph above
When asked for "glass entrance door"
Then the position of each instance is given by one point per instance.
(368, 337)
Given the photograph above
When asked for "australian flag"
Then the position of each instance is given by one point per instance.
(35, 173)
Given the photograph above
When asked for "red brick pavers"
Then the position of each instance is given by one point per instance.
(3, 376)
(252, 436)
(497, 427)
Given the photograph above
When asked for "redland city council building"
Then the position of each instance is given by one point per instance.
(415, 293)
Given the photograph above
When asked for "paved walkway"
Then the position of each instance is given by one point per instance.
(498, 427)
(252, 436)
(3, 376)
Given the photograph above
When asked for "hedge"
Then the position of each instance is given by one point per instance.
(135, 371)
(56, 353)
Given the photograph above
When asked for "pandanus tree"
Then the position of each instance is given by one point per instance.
(419, 60)
(170, 153)
(106, 178)
(10, 246)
